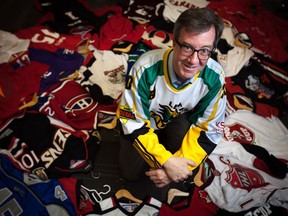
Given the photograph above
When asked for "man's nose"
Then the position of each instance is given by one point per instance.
(194, 57)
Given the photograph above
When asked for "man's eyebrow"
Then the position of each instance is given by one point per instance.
(203, 47)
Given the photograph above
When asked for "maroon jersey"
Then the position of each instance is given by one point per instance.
(72, 104)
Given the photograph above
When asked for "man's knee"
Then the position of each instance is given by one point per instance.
(131, 163)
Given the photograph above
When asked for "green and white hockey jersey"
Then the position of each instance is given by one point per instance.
(150, 101)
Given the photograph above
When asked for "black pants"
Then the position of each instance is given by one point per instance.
(131, 163)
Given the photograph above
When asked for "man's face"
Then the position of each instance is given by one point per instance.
(186, 67)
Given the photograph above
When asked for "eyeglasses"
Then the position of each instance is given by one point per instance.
(186, 50)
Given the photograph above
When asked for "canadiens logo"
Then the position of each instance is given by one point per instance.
(126, 113)
(244, 178)
(239, 133)
(82, 103)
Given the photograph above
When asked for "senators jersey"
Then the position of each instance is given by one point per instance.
(36, 146)
(150, 101)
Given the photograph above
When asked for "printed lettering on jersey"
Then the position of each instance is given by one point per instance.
(219, 127)
(36, 161)
(48, 37)
(185, 4)
(126, 113)
(262, 210)
(242, 177)
(239, 133)
(56, 149)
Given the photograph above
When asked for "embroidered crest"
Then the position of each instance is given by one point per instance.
(82, 103)
(239, 133)
(243, 177)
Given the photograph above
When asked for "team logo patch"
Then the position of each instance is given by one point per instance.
(244, 178)
(116, 76)
(40, 172)
(204, 195)
(126, 113)
(82, 103)
(239, 133)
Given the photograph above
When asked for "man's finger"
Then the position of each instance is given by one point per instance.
(191, 163)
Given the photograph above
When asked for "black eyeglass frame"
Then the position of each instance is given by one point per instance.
(194, 50)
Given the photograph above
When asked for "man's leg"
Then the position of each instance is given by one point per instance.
(131, 163)
(172, 135)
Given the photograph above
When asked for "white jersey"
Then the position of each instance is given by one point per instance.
(111, 206)
(173, 9)
(237, 57)
(243, 126)
(108, 71)
(237, 185)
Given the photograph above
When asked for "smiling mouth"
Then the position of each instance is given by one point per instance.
(190, 67)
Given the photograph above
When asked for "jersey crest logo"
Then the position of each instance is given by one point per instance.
(243, 177)
(204, 195)
(40, 172)
(239, 133)
(166, 114)
(80, 104)
(126, 113)
(116, 76)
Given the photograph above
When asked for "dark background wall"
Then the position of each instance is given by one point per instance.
(16, 14)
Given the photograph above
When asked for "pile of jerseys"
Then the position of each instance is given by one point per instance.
(245, 184)
(102, 44)
(63, 77)
(249, 167)
(253, 81)
(38, 146)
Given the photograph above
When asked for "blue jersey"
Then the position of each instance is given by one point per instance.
(24, 194)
